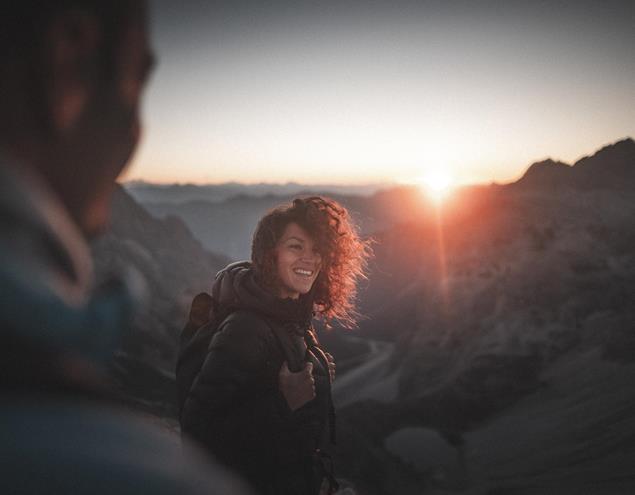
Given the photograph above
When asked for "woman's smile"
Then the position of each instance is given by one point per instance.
(298, 263)
(303, 272)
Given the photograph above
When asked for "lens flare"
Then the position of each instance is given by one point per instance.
(437, 183)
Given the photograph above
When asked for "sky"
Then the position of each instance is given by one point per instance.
(382, 91)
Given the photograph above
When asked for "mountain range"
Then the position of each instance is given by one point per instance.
(510, 318)
(226, 226)
(147, 192)
(171, 266)
(609, 168)
(497, 350)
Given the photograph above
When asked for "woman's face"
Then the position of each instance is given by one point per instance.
(298, 264)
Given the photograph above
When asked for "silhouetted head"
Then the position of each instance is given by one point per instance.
(73, 75)
(311, 246)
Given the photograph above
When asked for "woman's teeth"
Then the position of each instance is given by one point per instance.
(305, 273)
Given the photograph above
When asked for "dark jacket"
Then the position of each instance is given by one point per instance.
(60, 431)
(234, 407)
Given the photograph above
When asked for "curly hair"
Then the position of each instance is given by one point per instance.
(344, 254)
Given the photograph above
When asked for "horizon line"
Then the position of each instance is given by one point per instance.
(396, 182)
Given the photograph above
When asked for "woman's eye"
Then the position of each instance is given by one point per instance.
(295, 246)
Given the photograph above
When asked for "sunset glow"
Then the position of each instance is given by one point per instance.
(437, 184)
(352, 92)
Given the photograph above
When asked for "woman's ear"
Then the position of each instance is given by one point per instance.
(72, 58)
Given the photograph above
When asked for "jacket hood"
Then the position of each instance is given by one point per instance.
(236, 288)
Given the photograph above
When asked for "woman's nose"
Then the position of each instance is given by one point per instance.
(311, 256)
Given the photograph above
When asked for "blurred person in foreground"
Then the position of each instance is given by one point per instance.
(73, 73)
(261, 400)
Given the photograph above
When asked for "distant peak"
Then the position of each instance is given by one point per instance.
(628, 141)
(545, 166)
(544, 173)
(625, 144)
(548, 162)
(623, 149)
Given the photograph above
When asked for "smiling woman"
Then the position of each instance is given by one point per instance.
(298, 262)
(312, 227)
(261, 402)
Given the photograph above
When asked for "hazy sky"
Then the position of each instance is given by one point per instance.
(353, 91)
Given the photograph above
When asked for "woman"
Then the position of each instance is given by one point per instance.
(261, 402)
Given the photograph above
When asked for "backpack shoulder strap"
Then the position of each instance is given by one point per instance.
(203, 322)
(318, 352)
(281, 335)
(201, 312)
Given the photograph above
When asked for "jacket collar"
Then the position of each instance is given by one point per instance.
(235, 287)
(46, 274)
(39, 235)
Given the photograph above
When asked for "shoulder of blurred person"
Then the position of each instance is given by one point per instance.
(73, 75)
(60, 432)
(62, 445)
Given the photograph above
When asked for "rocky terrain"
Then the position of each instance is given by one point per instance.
(514, 342)
(227, 226)
(172, 267)
(497, 355)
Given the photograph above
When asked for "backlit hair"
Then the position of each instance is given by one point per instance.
(344, 254)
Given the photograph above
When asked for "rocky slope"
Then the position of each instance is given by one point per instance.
(173, 267)
(227, 226)
(498, 352)
(513, 318)
(609, 168)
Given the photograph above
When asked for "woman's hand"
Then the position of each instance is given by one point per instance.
(297, 388)
(331, 361)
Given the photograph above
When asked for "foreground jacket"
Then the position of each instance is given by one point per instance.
(60, 432)
(234, 407)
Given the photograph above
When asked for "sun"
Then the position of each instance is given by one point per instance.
(437, 184)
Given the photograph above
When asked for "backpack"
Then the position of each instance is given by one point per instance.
(205, 318)
(203, 322)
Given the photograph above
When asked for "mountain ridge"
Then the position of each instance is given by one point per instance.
(505, 315)
(610, 167)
